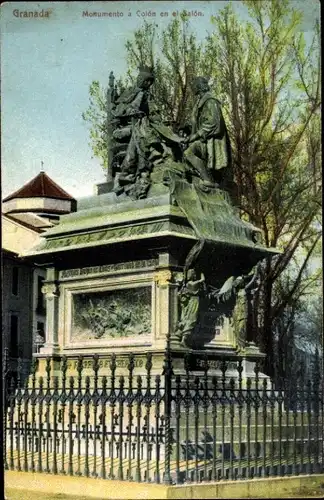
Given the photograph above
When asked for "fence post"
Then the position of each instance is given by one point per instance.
(317, 406)
(167, 372)
(5, 368)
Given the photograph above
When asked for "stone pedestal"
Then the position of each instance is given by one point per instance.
(110, 308)
(113, 271)
(103, 187)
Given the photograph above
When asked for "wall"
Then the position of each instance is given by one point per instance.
(16, 237)
(20, 305)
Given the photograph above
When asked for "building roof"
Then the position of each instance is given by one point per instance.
(30, 220)
(9, 253)
(41, 186)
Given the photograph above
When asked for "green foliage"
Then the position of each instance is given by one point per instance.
(96, 115)
(176, 57)
(268, 80)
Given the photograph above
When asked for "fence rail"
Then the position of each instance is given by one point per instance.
(163, 427)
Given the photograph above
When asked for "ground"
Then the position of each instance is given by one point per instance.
(12, 494)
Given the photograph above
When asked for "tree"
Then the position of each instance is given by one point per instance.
(181, 57)
(268, 79)
(96, 114)
(298, 329)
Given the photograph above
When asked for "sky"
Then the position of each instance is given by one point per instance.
(47, 66)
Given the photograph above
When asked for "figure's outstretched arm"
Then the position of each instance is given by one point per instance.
(227, 289)
(212, 292)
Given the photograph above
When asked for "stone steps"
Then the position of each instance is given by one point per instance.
(153, 470)
(253, 449)
(287, 418)
(245, 432)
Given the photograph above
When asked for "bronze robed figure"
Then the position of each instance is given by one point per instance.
(209, 150)
(131, 116)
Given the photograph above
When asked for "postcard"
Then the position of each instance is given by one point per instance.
(161, 243)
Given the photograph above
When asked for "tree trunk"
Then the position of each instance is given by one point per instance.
(267, 330)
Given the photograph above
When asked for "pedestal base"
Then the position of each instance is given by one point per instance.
(49, 349)
(103, 187)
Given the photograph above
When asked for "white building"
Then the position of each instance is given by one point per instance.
(26, 214)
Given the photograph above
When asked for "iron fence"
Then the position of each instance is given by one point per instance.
(176, 425)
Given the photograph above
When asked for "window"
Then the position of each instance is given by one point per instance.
(40, 308)
(40, 329)
(14, 338)
(15, 281)
(39, 340)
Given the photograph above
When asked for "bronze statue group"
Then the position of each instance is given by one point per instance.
(142, 141)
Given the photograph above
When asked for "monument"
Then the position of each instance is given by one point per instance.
(159, 257)
(150, 370)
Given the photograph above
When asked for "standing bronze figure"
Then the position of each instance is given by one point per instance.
(208, 154)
